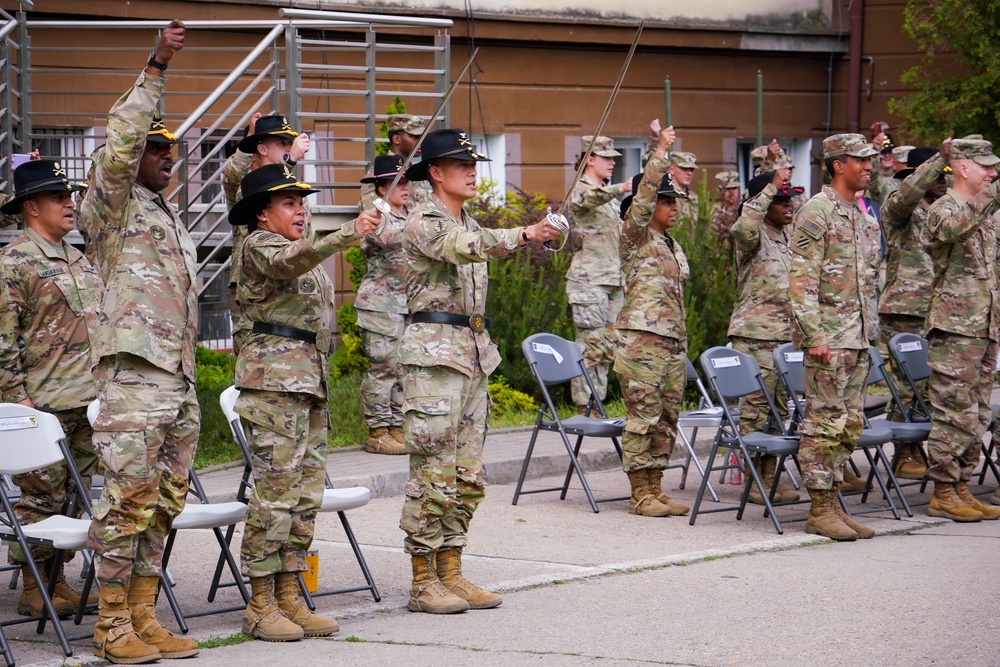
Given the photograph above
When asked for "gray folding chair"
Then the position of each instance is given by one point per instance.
(733, 375)
(706, 416)
(554, 360)
(334, 500)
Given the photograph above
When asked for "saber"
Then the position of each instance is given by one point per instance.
(558, 219)
(381, 203)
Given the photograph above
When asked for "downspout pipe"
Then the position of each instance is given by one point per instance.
(857, 9)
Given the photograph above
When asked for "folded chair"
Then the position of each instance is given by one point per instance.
(554, 361)
(909, 354)
(334, 500)
(733, 375)
(789, 363)
(29, 440)
(706, 416)
(201, 515)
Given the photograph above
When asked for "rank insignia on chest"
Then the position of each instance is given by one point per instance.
(440, 225)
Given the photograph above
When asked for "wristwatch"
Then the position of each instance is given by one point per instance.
(153, 62)
(524, 235)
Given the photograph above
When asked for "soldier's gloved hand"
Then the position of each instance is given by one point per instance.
(171, 41)
(300, 146)
(367, 222)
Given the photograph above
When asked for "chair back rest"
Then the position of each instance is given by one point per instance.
(790, 364)
(93, 411)
(732, 374)
(877, 372)
(29, 439)
(227, 401)
(705, 399)
(553, 359)
(909, 352)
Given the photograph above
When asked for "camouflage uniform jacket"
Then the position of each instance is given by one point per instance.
(383, 289)
(139, 246)
(687, 209)
(963, 243)
(908, 266)
(723, 220)
(655, 266)
(48, 309)
(283, 283)
(446, 273)
(5, 219)
(834, 271)
(881, 187)
(762, 309)
(596, 227)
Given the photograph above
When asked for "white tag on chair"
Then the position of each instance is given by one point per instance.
(18, 423)
(547, 349)
(794, 357)
(725, 362)
(912, 346)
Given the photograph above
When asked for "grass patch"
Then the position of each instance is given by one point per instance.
(231, 640)
(348, 425)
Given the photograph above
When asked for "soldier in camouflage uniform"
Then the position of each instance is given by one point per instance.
(447, 356)
(726, 207)
(832, 289)
(963, 327)
(281, 373)
(682, 166)
(909, 269)
(762, 316)
(49, 302)
(147, 430)
(403, 131)
(270, 140)
(884, 182)
(651, 356)
(381, 307)
(771, 157)
(594, 279)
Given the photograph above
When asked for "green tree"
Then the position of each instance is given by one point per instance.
(955, 84)
(397, 106)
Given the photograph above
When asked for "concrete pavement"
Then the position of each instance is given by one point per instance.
(612, 588)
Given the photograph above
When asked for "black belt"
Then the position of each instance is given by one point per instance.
(474, 322)
(287, 332)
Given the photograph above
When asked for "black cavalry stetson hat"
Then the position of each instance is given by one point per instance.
(385, 169)
(914, 159)
(158, 132)
(273, 125)
(666, 189)
(37, 176)
(259, 184)
(439, 144)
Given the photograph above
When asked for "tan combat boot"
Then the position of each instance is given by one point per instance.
(644, 501)
(823, 519)
(989, 513)
(851, 481)
(910, 464)
(67, 592)
(995, 498)
(142, 605)
(655, 476)
(263, 618)
(783, 494)
(428, 594)
(286, 592)
(396, 433)
(380, 442)
(30, 603)
(114, 639)
(449, 571)
(864, 532)
(945, 503)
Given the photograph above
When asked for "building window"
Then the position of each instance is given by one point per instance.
(799, 150)
(493, 146)
(66, 145)
(630, 162)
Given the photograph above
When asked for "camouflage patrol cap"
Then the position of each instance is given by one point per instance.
(158, 132)
(977, 150)
(37, 176)
(684, 160)
(758, 154)
(854, 145)
(272, 125)
(727, 180)
(899, 153)
(404, 122)
(603, 146)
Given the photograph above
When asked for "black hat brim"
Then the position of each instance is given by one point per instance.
(249, 144)
(386, 177)
(418, 171)
(160, 139)
(242, 212)
(13, 207)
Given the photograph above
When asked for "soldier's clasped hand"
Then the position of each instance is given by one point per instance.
(171, 41)
(367, 222)
(542, 231)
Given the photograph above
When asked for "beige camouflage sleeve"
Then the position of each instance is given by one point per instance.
(808, 248)
(12, 388)
(586, 197)
(439, 238)
(898, 208)
(643, 205)
(280, 259)
(951, 222)
(236, 167)
(7, 220)
(746, 229)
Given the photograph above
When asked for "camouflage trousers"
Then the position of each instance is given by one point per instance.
(892, 325)
(833, 415)
(146, 436)
(959, 387)
(287, 433)
(754, 412)
(446, 417)
(381, 391)
(47, 492)
(652, 371)
(595, 311)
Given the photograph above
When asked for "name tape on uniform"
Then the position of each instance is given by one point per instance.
(725, 362)
(18, 423)
(542, 348)
(794, 357)
(911, 346)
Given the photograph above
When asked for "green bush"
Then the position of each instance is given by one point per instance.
(396, 107)
(507, 399)
(349, 358)
(213, 373)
